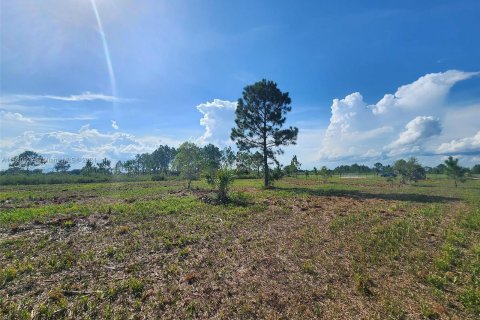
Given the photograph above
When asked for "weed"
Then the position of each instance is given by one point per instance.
(192, 309)
(471, 300)
(184, 252)
(363, 284)
(437, 281)
(110, 252)
(307, 267)
(135, 286)
(428, 312)
(393, 310)
(8, 275)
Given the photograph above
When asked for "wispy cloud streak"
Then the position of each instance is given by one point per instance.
(86, 96)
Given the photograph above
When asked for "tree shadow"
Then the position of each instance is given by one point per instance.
(415, 197)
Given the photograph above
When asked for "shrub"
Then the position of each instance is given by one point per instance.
(409, 170)
(222, 180)
(158, 177)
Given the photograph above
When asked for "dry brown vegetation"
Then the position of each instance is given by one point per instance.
(355, 248)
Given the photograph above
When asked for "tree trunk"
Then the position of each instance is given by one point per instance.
(265, 165)
(265, 157)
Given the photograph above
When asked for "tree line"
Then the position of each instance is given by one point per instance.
(191, 160)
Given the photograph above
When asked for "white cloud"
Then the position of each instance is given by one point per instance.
(218, 120)
(417, 130)
(114, 124)
(13, 117)
(469, 145)
(85, 96)
(86, 142)
(18, 117)
(351, 125)
(396, 126)
(426, 92)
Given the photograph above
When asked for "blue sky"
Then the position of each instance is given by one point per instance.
(179, 66)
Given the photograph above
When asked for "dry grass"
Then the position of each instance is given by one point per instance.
(347, 249)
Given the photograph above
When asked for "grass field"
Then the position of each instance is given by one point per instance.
(346, 249)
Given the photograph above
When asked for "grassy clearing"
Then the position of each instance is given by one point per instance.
(349, 248)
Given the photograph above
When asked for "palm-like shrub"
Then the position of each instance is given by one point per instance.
(222, 180)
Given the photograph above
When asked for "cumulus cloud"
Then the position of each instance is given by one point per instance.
(351, 124)
(396, 125)
(426, 92)
(468, 145)
(114, 124)
(218, 119)
(417, 130)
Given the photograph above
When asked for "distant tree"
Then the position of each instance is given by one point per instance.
(244, 162)
(118, 167)
(188, 161)
(307, 173)
(475, 169)
(325, 173)
(400, 167)
(228, 157)
(315, 172)
(295, 165)
(75, 171)
(260, 116)
(289, 170)
(104, 166)
(440, 169)
(378, 168)
(130, 166)
(428, 169)
(257, 162)
(62, 165)
(388, 169)
(454, 171)
(293, 168)
(88, 168)
(161, 158)
(248, 162)
(276, 173)
(212, 158)
(354, 168)
(27, 159)
(409, 170)
(143, 163)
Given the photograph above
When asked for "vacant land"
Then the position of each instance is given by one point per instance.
(349, 248)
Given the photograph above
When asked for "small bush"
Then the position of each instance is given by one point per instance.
(222, 180)
(158, 177)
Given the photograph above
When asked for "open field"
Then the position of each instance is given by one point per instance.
(349, 248)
